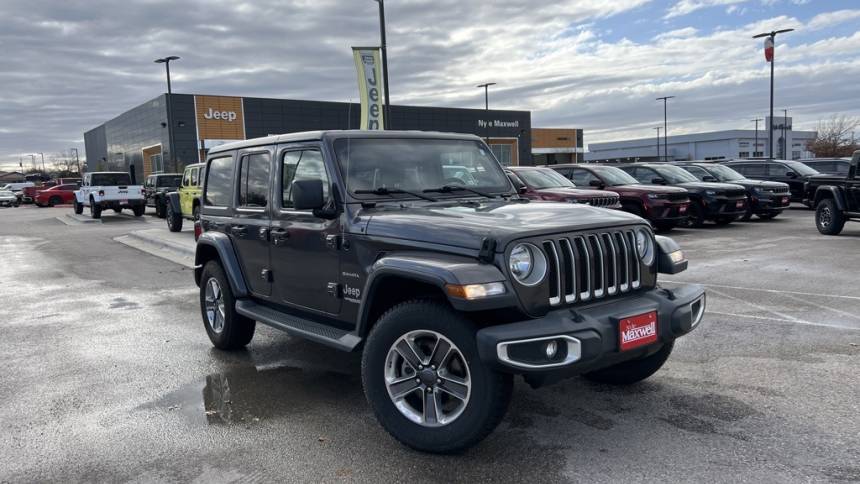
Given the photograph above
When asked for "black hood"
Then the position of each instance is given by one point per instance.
(747, 183)
(465, 225)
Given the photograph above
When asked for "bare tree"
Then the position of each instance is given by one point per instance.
(835, 137)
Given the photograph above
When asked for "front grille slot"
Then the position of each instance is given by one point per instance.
(591, 266)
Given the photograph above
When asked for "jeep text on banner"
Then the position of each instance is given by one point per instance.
(369, 68)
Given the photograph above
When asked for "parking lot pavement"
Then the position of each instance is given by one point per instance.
(109, 376)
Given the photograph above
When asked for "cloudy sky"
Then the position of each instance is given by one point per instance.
(595, 64)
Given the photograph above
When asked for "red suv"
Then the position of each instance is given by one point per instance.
(56, 195)
(538, 183)
(663, 206)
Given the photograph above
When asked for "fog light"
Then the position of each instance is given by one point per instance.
(551, 349)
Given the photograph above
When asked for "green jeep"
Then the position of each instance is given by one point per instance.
(185, 203)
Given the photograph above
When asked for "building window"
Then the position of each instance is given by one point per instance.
(744, 154)
(504, 153)
(795, 155)
(758, 154)
(157, 163)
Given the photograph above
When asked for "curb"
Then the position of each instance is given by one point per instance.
(153, 242)
(75, 219)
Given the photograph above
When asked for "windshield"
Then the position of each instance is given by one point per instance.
(615, 176)
(168, 181)
(110, 179)
(674, 174)
(540, 178)
(414, 165)
(800, 168)
(724, 173)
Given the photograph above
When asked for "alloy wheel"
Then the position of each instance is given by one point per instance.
(825, 217)
(427, 378)
(214, 305)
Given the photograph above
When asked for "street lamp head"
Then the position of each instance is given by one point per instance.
(772, 33)
(664, 98)
(167, 59)
(487, 84)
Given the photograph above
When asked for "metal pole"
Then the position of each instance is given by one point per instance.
(784, 139)
(77, 160)
(770, 127)
(665, 100)
(170, 119)
(43, 162)
(658, 141)
(384, 48)
(486, 87)
(755, 147)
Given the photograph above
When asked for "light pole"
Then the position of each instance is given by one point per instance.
(665, 100)
(755, 147)
(33, 160)
(658, 141)
(166, 62)
(384, 48)
(486, 87)
(769, 55)
(77, 159)
(43, 161)
(784, 139)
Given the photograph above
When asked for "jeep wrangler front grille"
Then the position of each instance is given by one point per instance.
(592, 266)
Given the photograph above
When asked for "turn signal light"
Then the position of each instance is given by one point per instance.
(475, 291)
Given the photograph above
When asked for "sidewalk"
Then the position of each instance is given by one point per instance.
(177, 247)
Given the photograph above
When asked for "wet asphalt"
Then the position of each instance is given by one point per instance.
(107, 375)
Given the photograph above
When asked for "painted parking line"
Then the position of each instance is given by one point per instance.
(772, 291)
(780, 320)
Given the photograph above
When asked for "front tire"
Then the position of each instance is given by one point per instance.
(174, 220)
(828, 218)
(160, 209)
(79, 207)
(95, 210)
(696, 215)
(138, 210)
(448, 407)
(54, 201)
(226, 328)
(634, 371)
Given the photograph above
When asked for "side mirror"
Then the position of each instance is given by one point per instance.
(522, 190)
(709, 178)
(596, 184)
(308, 194)
(791, 174)
(658, 181)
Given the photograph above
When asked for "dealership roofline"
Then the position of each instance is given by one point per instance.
(690, 138)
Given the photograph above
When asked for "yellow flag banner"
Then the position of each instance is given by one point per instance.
(368, 65)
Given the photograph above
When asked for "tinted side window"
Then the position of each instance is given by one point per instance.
(254, 180)
(302, 165)
(696, 172)
(565, 172)
(582, 177)
(186, 179)
(219, 182)
(642, 175)
(195, 180)
(777, 169)
(752, 169)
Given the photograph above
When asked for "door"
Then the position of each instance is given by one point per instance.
(191, 189)
(779, 172)
(854, 192)
(249, 228)
(305, 257)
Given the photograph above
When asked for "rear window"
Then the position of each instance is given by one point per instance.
(110, 179)
(219, 182)
(168, 181)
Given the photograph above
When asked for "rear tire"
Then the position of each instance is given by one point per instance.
(454, 423)
(747, 215)
(174, 220)
(828, 218)
(160, 209)
(138, 210)
(79, 207)
(95, 210)
(634, 371)
(54, 201)
(227, 329)
(696, 215)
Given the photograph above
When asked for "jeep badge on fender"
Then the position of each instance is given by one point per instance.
(416, 250)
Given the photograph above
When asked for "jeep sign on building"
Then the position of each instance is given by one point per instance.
(140, 137)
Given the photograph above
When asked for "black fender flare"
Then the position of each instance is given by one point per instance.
(173, 201)
(223, 247)
(437, 270)
(830, 191)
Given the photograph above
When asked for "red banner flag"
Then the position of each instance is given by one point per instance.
(768, 49)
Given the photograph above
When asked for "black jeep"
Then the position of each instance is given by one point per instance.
(449, 287)
(837, 199)
(155, 189)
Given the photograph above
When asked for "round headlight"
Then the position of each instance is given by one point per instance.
(527, 264)
(645, 246)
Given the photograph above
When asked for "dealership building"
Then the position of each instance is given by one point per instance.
(139, 138)
(717, 145)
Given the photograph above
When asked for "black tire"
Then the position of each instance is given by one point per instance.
(695, 215)
(768, 215)
(160, 208)
(664, 226)
(632, 371)
(16, 203)
(174, 220)
(138, 210)
(488, 398)
(748, 214)
(117, 210)
(95, 210)
(54, 201)
(79, 207)
(237, 330)
(828, 218)
(195, 213)
(634, 209)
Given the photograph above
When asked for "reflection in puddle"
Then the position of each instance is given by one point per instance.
(248, 395)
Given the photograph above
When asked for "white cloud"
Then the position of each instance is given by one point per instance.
(830, 19)
(684, 7)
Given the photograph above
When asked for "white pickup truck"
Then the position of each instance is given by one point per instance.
(109, 189)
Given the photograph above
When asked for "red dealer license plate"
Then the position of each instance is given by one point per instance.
(637, 331)
(739, 204)
(683, 209)
(785, 200)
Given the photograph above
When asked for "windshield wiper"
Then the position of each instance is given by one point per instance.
(451, 188)
(392, 191)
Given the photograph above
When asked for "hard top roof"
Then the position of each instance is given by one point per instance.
(336, 134)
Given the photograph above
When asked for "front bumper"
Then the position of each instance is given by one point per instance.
(592, 333)
(668, 211)
(725, 207)
(770, 204)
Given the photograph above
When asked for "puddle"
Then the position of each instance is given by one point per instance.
(123, 303)
(248, 395)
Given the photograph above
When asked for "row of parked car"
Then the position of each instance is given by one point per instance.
(44, 194)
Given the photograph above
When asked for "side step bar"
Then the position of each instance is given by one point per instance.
(334, 337)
